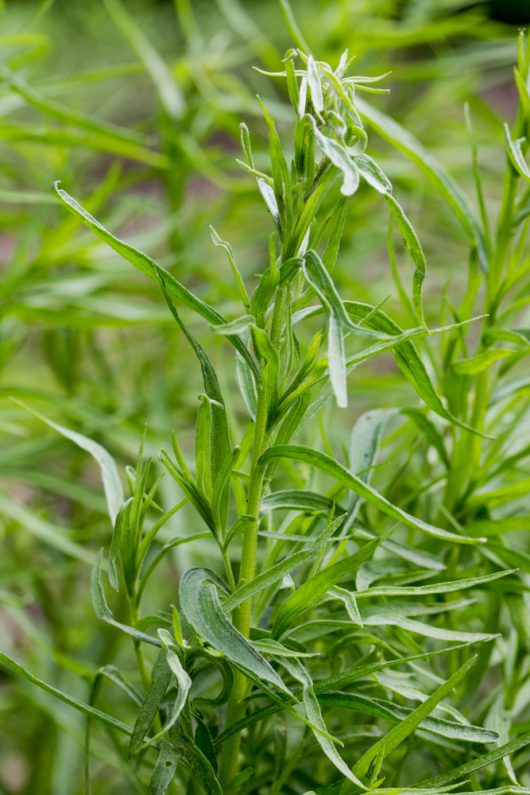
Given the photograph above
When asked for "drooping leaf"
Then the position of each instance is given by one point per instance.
(393, 132)
(107, 465)
(148, 266)
(103, 611)
(314, 714)
(201, 605)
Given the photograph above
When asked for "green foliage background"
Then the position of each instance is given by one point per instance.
(147, 132)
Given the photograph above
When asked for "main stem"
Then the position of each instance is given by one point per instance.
(229, 762)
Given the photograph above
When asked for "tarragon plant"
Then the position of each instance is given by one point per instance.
(282, 667)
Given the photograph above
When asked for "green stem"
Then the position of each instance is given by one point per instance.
(230, 755)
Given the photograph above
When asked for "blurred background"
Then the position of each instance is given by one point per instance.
(135, 107)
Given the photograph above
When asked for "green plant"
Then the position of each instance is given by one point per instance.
(271, 636)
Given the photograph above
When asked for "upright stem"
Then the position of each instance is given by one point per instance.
(243, 617)
(229, 762)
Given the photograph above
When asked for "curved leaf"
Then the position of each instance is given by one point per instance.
(200, 604)
(144, 263)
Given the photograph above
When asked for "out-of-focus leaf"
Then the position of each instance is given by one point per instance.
(107, 465)
(515, 153)
(18, 670)
(166, 87)
(482, 361)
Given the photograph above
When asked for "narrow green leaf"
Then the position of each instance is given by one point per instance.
(393, 132)
(270, 200)
(413, 245)
(314, 85)
(160, 679)
(300, 500)
(431, 433)
(379, 708)
(220, 488)
(337, 362)
(434, 588)
(406, 356)
(321, 282)
(238, 326)
(482, 361)
(326, 464)
(51, 135)
(103, 611)
(107, 465)
(399, 733)
(218, 241)
(390, 617)
(373, 174)
(201, 769)
(203, 447)
(314, 589)
(16, 669)
(148, 266)
(462, 772)
(314, 714)
(341, 159)
(66, 114)
(364, 441)
(165, 768)
(50, 534)
(515, 153)
(180, 675)
(269, 577)
(247, 385)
